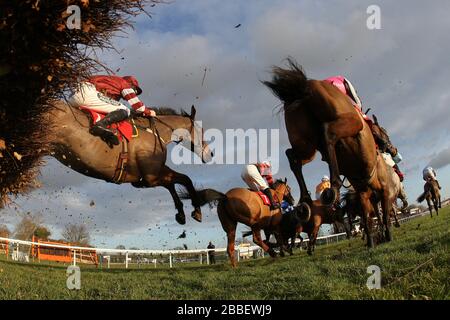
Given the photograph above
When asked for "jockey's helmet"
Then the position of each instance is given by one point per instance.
(134, 83)
(267, 163)
(325, 178)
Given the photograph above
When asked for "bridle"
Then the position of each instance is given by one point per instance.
(153, 127)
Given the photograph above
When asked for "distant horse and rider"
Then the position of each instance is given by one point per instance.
(431, 192)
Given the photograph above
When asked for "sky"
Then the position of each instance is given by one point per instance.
(401, 71)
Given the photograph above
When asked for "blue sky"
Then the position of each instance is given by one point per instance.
(400, 71)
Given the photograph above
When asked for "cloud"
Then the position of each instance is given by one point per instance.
(441, 159)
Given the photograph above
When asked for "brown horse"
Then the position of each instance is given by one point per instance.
(432, 195)
(245, 206)
(385, 145)
(292, 225)
(75, 147)
(320, 118)
(321, 214)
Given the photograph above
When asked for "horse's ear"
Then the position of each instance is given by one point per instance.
(193, 112)
(285, 180)
(375, 119)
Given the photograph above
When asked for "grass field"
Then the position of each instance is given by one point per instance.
(416, 265)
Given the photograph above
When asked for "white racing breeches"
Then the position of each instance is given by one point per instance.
(253, 178)
(87, 96)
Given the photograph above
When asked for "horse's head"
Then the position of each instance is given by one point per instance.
(382, 138)
(282, 188)
(190, 135)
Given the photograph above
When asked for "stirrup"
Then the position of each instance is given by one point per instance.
(107, 135)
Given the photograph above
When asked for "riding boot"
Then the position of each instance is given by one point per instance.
(273, 205)
(101, 127)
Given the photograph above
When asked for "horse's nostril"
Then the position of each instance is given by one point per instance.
(212, 154)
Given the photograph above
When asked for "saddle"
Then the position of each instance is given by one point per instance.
(264, 198)
(123, 130)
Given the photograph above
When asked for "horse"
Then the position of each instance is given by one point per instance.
(246, 206)
(385, 145)
(73, 146)
(292, 225)
(432, 195)
(319, 117)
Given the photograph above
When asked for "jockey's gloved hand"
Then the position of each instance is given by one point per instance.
(148, 112)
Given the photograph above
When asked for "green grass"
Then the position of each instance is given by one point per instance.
(414, 266)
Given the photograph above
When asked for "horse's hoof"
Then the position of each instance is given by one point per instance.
(272, 253)
(388, 235)
(328, 197)
(397, 225)
(309, 252)
(180, 218)
(304, 211)
(197, 215)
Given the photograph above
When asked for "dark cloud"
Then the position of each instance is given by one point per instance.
(441, 159)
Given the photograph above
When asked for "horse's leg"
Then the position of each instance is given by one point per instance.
(281, 243)
(296, 168)
(267, 234)
(387, 208)
(229, 226)
(430, 208)
(313, 239)
(180, 216)
(394, 212)
(402, 197)
(366, 217)
(258, 240)
(174, 177)
(330, 196)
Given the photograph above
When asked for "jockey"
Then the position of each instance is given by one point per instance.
(258, 177)
(102, 93)
(324, 184)
(429, 174)
(346, 87)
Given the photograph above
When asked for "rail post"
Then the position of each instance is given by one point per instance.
(207, 257)
(170, 260)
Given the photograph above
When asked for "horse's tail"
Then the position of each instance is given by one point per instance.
(206, 196)
(422, 196)
(289, 84)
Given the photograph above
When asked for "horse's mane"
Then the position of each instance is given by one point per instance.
(290, 84)
(277, 183)
(168, 111)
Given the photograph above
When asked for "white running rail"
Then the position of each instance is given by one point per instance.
(170, 253)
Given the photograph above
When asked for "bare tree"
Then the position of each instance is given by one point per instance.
(76, 233)
(26, 227)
